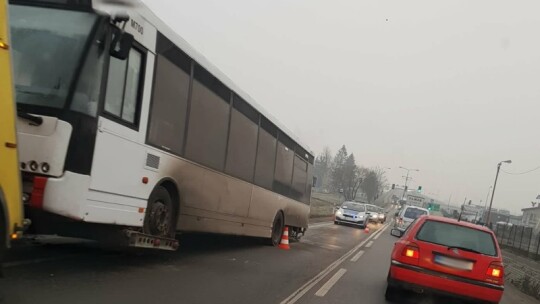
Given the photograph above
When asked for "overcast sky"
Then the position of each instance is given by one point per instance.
(448, 87)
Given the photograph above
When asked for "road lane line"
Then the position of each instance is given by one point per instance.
(369, 244)
(330, 283)
(357, 256)
(300, 292)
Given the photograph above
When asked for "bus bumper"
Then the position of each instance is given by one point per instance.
(70, 196)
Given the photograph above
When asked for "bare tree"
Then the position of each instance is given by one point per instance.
(338, 169)
(352, 178)
(381, 179)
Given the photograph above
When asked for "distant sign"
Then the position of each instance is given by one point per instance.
(415, 200)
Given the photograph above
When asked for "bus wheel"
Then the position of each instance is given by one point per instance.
(159, 219)
(277, 229)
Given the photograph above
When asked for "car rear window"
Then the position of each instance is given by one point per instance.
(455, 235)
(413, 213)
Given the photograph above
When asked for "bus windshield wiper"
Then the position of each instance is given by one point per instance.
(464, 249)
(34, 120)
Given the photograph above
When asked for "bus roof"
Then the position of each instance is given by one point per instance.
(146, 13)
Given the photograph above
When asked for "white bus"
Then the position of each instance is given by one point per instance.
(123, 125)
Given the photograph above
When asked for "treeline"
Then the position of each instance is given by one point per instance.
(341, 174)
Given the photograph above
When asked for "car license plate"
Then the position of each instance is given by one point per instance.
(454, 263)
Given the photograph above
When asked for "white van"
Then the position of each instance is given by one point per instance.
(407, 215)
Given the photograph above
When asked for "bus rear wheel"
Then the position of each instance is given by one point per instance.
(160, 215)
(277, 229)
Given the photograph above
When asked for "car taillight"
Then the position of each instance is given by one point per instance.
(411, 251)
(495, 270)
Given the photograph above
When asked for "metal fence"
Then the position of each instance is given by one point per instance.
(521, 238)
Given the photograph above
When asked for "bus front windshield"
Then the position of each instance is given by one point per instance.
(47, 46)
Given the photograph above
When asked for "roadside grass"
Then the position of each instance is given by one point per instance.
(322, 204)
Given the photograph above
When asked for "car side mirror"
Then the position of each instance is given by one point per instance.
(121, 44)
(396, 232)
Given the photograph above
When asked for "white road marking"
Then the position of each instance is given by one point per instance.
(300, 292)
(357, 256)
(330, 283)
(369, 244)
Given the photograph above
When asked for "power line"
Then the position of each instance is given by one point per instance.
(521, 173)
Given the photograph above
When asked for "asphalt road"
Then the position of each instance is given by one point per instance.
(209, 269)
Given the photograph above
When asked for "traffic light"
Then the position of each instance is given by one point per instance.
(419, 188)
(429, 206)
(393, 186)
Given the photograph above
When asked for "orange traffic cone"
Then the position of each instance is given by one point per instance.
(284, 244)
(366, 230)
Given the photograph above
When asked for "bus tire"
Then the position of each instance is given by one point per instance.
(277, 229)
(160, 214)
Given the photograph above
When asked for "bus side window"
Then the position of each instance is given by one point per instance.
(298, 190)
(123, 85)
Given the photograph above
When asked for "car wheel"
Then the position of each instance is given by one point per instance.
(392, 293)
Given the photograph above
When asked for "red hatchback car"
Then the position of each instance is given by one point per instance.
(444, 256)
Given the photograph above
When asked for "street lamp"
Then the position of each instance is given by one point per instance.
(495, 185)
(407, 179)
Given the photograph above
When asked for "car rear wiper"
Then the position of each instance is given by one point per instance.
(35, 120)
(464, 249)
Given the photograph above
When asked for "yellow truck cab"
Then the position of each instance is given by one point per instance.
(11, 208)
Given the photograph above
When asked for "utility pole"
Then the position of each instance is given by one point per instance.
(406, 179)
(495, 185)
(485, 206)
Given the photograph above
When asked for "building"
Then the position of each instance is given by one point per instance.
(531, 217)
(496, 217)
(516, 220)
(472, 213)
(504, 212)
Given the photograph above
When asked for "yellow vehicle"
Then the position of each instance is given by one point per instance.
(11, 208)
